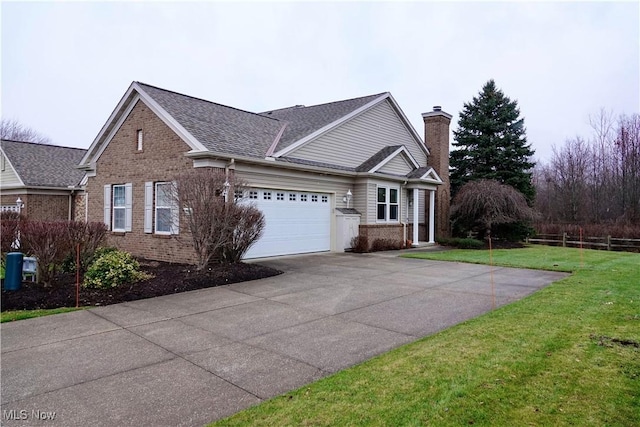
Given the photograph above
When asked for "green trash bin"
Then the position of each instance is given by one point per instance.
(13, 271)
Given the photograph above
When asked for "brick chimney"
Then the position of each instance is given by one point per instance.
(436, 137)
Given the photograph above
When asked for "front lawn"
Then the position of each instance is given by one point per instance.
(567, 355)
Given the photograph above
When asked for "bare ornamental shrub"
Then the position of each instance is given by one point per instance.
(47, 241)
(9, 232)
(88, 236)
(360, 244)
(222, 226)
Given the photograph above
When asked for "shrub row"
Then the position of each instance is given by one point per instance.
(51, 242)
(466, 243)
(360, 244)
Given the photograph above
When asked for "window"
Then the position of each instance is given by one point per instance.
(325, 199)
(253, 194)
(238, 195)
(139, 139)
(266, 195)
(163, 208)
(119, 208)
(303, 197)
(279, 196)
(292, 197)
(387, 204)
(314, 198)
(161, 211)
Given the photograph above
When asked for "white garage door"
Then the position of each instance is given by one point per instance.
(296, 222)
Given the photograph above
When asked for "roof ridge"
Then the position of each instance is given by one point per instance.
(325, 103)
(206, 100)
(42, 144)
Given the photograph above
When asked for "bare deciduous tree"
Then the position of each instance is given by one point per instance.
(15, 131)
(485, 203)
(222, 226)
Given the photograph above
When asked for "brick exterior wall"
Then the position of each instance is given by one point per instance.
(161, 159)
(381, 231)
(436, 136)
(41, 207)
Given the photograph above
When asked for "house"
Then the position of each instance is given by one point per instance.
(321, 174)
(41, 181)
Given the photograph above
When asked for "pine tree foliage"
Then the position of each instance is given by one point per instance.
(491, 143)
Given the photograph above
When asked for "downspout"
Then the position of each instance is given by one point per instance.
(70, 204)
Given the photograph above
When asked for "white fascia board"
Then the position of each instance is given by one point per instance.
(331, 126)
(431, 175)
(193, 143)
(394, 154)
(105, 128)
(134, 94)
(408, 124)
(210, 163)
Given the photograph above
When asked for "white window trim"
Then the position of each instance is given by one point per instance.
(388, 204)
(110, 208)
(155, 211)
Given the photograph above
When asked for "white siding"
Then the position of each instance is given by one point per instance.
(421, 207)
(360, 138)
(396, 166)
(8, 176)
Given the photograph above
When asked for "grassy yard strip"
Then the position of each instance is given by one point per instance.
(566, 355)
(11, 316)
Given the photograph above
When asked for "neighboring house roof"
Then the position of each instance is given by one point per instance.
(374, 160)
(43, 165)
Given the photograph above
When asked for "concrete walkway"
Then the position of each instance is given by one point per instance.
(191, 358)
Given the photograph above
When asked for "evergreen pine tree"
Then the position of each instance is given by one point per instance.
(491, 143)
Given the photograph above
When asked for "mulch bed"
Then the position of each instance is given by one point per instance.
(168, 279)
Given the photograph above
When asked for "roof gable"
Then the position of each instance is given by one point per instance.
(44, 165)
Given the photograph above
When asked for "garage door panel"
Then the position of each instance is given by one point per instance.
(296, 222)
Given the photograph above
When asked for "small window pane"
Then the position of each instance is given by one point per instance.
(292, 197)
(393, 195)
(253, 194)
(382, 195)
(393, 212)
(163, 194)
(279, 196)
(163, 220)
(266, 195)
(325, 199)
(118, 219)
(118, 195)
(303, 197)
(382, 211)
(314, 198)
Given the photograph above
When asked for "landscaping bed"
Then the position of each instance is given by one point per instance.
(168, 278)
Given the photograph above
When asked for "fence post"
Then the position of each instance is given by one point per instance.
(608, 243)
(564, 239)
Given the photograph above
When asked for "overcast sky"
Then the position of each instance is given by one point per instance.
(66, 65)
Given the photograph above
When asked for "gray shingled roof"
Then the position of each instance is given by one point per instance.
(42, 165)
(417, 173)
(218, 127)
(303, 121)
(372, 161)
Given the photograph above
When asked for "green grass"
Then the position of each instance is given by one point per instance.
(12, 316)
(555, 358)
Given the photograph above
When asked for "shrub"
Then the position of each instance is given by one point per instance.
(89, 235)
(111, 269)
(48, 242)
(9, 232)
(360, 244)
(460, 243)
(246, 226)
(386, 245)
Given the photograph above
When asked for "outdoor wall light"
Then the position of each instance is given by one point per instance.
(19, 204)
(347, 198)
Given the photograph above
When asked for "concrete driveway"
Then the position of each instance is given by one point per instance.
(188, 359)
